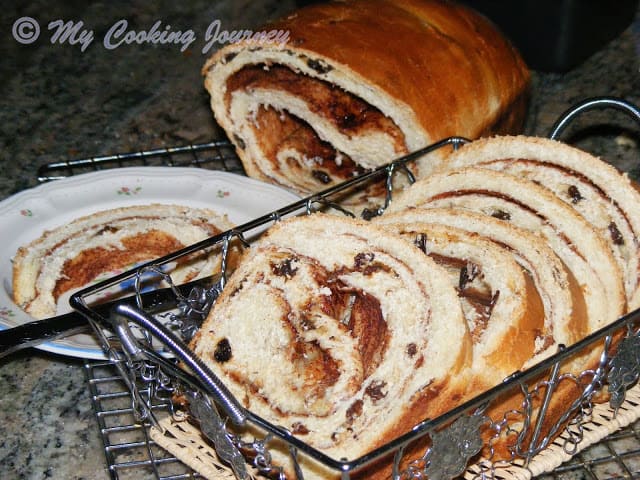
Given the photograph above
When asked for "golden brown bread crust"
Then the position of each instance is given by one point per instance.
(436, 56)
(413, 71)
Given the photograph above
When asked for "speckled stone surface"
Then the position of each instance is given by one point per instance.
(59, 103)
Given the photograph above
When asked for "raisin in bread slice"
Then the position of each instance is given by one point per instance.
(528, 205)
(604, 196)
(564, 315)
(341, 332)
(74, 254)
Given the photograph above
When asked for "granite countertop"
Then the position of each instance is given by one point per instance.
(60, 102)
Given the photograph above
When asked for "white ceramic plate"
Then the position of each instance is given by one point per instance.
(26, 215)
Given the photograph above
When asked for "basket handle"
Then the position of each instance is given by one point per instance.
(589, 104)
(120, 317)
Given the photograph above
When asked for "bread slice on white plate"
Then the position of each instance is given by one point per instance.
(75, 254)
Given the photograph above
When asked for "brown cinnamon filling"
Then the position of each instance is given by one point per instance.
(347, 112)
(280, 130)
(483, 305)
(574, 194)
(354, 411)
(92, 262)
(468, 274)
(482, 301)
(517, 203)
(317, 366)
(359, 312)
(367, 324)
(362, 315)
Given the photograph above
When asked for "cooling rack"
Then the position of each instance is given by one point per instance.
(131, 454)
(216, 155)
(129, 450)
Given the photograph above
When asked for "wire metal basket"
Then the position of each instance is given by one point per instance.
(142, 346)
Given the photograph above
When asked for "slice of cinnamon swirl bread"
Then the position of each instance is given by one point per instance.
(341, 332)
(565, 316)
(528, 205)
(600, 193)
(501, 299)
(75, 254)
(521, 303)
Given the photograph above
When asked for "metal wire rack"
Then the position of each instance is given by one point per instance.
(130, 452)
(216, 155)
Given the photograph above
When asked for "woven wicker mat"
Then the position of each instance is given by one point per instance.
(185, 442)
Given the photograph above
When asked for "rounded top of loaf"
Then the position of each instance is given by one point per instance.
(438, 57)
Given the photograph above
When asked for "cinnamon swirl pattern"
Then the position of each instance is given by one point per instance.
(73, 255)
(343, 333)
(528, 205)
(600, 193)
(318, 110)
